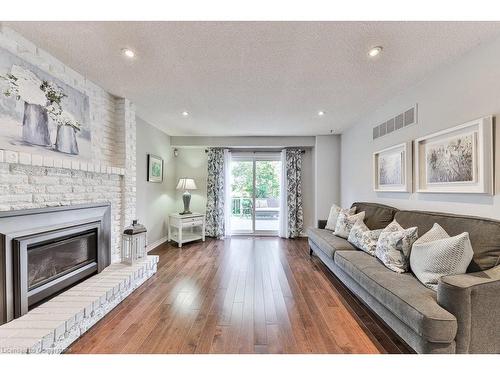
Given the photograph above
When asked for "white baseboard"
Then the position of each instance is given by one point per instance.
(155, 244)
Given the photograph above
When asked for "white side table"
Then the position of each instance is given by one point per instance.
(193, 225)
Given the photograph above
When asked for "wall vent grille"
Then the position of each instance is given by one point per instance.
(404, 119)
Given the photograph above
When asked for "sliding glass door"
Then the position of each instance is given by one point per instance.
(242, 192)
(255, 193)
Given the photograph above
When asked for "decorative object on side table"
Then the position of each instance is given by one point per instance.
(155, 168)
(457, 160)
(134, 243)
(188, 221)
(392, 169)
(186, 184)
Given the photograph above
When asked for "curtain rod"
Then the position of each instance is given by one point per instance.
(264, 151)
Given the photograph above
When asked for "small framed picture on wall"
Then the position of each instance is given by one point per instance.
(392, 169)
(155, 168)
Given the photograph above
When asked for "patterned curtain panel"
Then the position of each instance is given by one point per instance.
(294, 192)
(214, 226)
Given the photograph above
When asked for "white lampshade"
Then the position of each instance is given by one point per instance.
(186, 184)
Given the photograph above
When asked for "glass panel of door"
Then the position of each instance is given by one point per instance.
(255, 194)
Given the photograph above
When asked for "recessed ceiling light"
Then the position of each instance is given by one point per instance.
(128, 52)
(185, 114)
(375, 51)
(321, 113)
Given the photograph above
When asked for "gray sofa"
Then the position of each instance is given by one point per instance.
(462, 317)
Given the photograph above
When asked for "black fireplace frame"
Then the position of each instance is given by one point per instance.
(20, 228)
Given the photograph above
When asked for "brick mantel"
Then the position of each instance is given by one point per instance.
(24, 158)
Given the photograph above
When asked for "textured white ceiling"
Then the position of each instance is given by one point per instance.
(256, 78)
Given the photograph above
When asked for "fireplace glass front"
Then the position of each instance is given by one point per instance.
(51, 260)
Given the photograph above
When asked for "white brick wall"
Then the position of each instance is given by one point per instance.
(32, 181)
(125, 115)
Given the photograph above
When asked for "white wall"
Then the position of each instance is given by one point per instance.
(154, 200)
(462, 91)
(326, 175)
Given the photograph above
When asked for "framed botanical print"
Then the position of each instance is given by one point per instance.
(155, 168)
(392, 168)
(457, 160)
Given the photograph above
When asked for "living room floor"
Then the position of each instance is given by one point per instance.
(241, 295)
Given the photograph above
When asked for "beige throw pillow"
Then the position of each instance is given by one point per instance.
(345, 222)
(331, 223)
(436, 254)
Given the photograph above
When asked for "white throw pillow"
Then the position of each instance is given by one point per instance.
(364, 238)
(345, 222)
(331, 223)
(436, 254)
(394, 246)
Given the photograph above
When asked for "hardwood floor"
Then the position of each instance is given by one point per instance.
(243, 295)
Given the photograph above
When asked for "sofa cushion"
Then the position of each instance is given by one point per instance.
(436, 254)
(335, 210)
(394, 246)
(345, 222)
(327, 241)
(484, 234)
(402, 294)
(364, 238)
(377, 216)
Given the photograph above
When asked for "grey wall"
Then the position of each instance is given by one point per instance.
(192, 163)
(462, 91)
(154, 200)
(326, 174)
(308, 185)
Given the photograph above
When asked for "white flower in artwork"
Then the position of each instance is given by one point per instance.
(28, 86)
(67, 118)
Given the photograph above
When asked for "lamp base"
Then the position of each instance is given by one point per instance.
(186, 198)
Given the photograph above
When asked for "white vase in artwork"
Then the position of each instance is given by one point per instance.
(35, 125)
(66, 140)
(35, 118)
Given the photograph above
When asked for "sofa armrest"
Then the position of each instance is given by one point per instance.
(474, 299)
(321, 224)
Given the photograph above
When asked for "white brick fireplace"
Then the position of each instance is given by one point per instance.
(35, 181)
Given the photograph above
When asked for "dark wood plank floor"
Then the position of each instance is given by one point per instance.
(243, 295)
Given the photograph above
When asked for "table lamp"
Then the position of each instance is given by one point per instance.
(186, 184)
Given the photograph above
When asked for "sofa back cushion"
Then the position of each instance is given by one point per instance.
(377, 216)
(484, 233)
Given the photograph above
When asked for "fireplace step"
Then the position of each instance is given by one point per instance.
(54, 325)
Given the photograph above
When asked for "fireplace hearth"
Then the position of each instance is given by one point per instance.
(45, 251)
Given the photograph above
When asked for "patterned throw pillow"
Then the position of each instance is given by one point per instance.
(364, 238)
(394, 246)
(331, 223)
(345, 222)
(436, 254)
